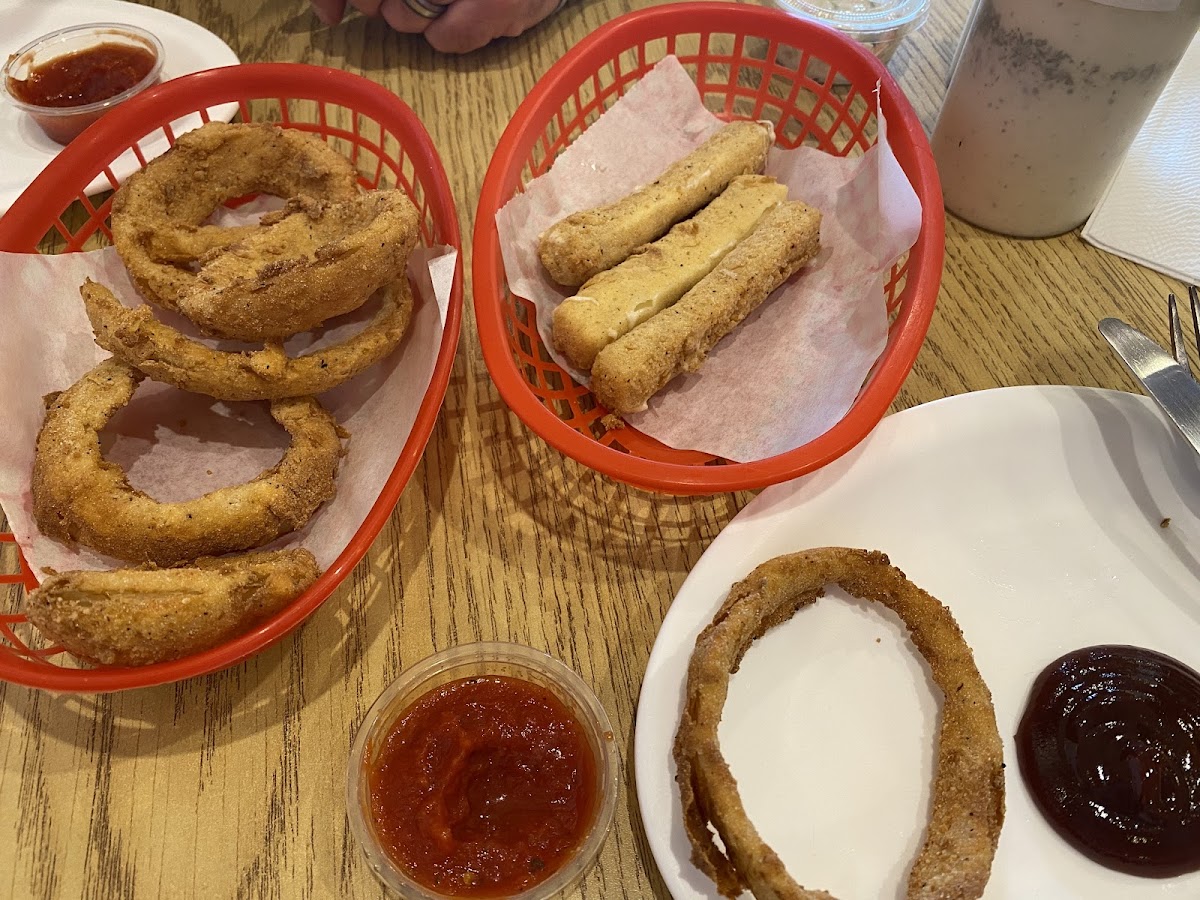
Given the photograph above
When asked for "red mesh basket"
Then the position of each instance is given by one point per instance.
(818, 87)
(390, 148)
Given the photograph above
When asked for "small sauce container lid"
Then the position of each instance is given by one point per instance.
(863, 19)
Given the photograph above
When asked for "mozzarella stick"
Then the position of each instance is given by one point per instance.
(616, 301)
(588, 242)
(629, 371)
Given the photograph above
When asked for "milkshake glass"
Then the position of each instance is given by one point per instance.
(1044, 101)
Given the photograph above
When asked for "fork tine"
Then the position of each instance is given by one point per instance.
(1178, 348)
(1194, 296)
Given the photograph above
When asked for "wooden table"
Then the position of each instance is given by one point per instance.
(231, 785)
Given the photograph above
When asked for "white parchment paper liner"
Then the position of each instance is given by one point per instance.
(176, 445)
(793, 368)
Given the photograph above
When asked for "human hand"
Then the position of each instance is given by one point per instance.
(463, 26)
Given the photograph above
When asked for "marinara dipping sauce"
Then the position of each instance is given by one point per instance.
(68, 79)
(490, 784)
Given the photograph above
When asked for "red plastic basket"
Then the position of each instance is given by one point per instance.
(389, 146)
(748, 63)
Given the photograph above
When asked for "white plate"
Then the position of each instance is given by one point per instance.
(1033, 513)
(187, 48)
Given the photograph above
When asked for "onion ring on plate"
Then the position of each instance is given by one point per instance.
(312, 260)
(134, 617)
(968, 792)
(80, 496)
(157, 214)
(165, 355)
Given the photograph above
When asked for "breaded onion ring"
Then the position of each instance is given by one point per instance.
(80, 496)
(158, 211)
(968, 793)
(312, 260)
(134, 617)
(165, 355)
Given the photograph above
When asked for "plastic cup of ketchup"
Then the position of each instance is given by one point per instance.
(487, 770)
(68, 79)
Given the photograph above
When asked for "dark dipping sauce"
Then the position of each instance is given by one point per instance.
(1109, 746)
(484, 787)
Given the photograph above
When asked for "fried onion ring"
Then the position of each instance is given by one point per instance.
(968, 793)
(312, 260)
(164, 354)
(78, 496)
(134, 617)
(157, 214)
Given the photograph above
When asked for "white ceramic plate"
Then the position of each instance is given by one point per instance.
(187, 48)
(1036, 515)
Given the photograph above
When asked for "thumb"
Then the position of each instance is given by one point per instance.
(329, 11)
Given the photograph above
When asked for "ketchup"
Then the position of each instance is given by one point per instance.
(1109, 746)
(85, 76)
(484, 787)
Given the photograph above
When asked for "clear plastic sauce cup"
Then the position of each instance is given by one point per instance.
(62, 123)
(879, 25)
(475, 661)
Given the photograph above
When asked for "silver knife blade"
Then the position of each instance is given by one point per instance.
(1164, 379)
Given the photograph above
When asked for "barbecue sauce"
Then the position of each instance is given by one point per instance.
(1109, 746)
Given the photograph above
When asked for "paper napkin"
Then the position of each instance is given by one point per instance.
(1151, 211)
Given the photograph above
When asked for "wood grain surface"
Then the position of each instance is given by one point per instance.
(231, 785)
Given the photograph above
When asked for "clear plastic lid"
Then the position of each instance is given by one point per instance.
(863, 17)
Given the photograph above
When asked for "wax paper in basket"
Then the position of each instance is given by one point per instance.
(794, 367)
(176, 445)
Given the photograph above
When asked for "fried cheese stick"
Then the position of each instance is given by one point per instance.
(614, 302)
(592, 240)
(629, 371)
(134, 617)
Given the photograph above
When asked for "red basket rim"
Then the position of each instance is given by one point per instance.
(920, 292)
(59, 185)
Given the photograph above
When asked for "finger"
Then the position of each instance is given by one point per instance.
(397, 14)
(470, 24)
(329, 12)
(530, 12)
(370, 8)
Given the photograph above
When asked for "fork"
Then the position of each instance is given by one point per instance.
(1178, 348)
(1166, 377)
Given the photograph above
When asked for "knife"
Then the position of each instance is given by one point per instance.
(1171, 386)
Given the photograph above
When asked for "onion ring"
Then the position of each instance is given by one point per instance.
(164, 354)
(158, 211)
(968, 792)
(311, 261)
(80, 496)
(134, 617)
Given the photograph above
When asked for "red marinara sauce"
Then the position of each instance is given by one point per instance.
(85, 76)
(484, 787)
(80, 79)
